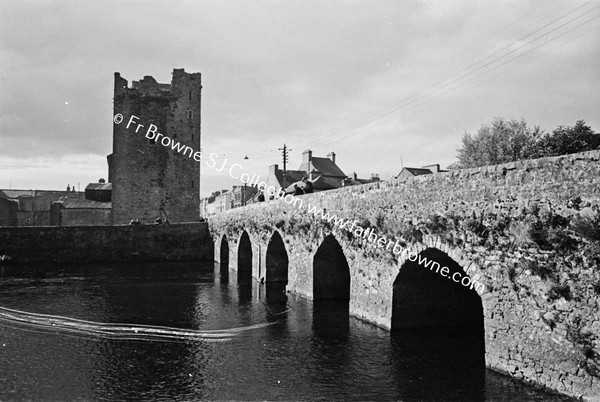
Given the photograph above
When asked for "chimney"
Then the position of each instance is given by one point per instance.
(102, 181)
(353, 173)
(307, 157)
(331, 156)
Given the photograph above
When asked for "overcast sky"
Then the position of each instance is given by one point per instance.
(374, 81)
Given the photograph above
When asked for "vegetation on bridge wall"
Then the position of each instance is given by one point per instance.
(528, 230)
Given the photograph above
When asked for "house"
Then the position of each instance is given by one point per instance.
(242, 195)
(411, 172)
(80, 212)
(276, 178)
(209, 206)
(223, 201)
(323, 172)
(100, 191)
(93, 209)
(33, 207)
(355, 181)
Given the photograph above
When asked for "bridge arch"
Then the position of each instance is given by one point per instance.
(428, 294)
(276, 261)
(224, 252)
(244, 256)
(331, 273)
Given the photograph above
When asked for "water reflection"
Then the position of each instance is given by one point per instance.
(431, 366)
(308, 351)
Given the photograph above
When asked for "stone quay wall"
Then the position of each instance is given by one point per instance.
(83, 244)
(528, 230)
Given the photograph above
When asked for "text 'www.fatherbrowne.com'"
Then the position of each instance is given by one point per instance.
(151, 133)
(396, 248)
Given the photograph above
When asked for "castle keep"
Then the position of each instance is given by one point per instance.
(149, 180)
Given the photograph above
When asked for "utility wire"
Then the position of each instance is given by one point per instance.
(407, 103)
(478, 76)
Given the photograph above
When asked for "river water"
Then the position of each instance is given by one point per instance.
(187, 332)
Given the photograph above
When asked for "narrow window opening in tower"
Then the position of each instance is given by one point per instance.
(189, 114)
(192, 183)
(190, 95)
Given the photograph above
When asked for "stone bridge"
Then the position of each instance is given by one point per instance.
(528, 231)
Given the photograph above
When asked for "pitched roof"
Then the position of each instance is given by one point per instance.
(78, 203)
(291, 176)
(415, 171)
(99, 186)
(14, 193)
(324, 166)
(326, 183)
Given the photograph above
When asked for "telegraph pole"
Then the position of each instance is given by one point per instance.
(284, 153)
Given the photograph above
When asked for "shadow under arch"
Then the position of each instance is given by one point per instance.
(440, 322)
(276, 260)
(331, 273)
(244, 262)
(224, 254)
(424, 298)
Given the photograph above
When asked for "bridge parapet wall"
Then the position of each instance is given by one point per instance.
(526, 230)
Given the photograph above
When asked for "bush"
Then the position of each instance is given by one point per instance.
(543, 271)
(558, 291)
(588, 228)
(436, 223)
(538, 232)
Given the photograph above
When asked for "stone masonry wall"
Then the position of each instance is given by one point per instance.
(151, 180)
(529, 231)
(74, 244)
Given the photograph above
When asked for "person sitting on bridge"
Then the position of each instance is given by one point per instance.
(308, 185)
(297, 190)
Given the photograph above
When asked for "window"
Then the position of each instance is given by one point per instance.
(190, 95)
(190, 114)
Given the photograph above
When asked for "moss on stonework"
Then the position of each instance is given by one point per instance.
(585, 341)
(559, 291)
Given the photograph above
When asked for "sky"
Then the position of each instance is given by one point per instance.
(383, 84)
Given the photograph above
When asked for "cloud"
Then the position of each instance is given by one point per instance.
(307, 73)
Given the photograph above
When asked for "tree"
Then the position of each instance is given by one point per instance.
(566, 140)
(499, 142)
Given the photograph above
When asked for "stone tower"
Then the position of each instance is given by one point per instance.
(150, 180)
